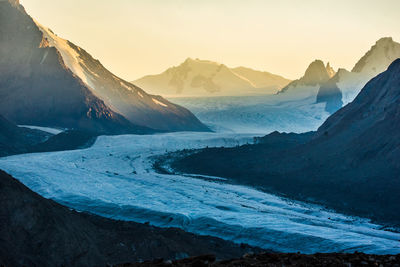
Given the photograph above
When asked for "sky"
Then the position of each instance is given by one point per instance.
(133, 38)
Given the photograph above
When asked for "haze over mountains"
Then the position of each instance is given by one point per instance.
(195, 77)
(332, 87)
(301, 105)
(48, 81)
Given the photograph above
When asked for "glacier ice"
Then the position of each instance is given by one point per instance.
(114, 178)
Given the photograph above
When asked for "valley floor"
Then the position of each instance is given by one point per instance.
(115, 178)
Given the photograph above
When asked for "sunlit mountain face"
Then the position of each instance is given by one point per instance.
(204, 133)
(203, 78)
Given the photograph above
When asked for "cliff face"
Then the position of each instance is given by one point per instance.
(44, 80)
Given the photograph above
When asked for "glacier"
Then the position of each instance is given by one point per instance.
(258, 114)
(115, 178)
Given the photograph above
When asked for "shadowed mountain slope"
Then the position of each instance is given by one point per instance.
(14, 139)
(47, 81)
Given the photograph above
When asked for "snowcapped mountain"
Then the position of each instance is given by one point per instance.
(378, 58)
(48, 81)
(346, 85)
(195, 77)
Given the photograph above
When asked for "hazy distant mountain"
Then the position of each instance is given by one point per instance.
(262, 80)
(195, 77)
(345, 85)
(48, 81)
(315, 75)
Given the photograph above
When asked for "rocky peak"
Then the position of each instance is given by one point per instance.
(316, 73)
(188, 60)
(330, 70)
(379, 57)
(384, 41)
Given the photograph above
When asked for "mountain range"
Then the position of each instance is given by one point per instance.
(340, 88)
(350, 164)
(346, 85)
(48, 81)
(195, 77)
(320, 83)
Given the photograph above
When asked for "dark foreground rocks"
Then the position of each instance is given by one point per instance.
(281, 259)
(35, 231)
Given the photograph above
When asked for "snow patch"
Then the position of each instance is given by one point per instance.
(125, 86)
(70, 57)
(44, 129)
(44, 57)
(257, 114)
(159, 103)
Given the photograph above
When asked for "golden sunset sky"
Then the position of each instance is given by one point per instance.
(133, 38)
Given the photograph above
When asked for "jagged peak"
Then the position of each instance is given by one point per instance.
(330, 70)
(384, 40)
(379, 56)
(190, 60)
(315, 73)
(315, 65)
